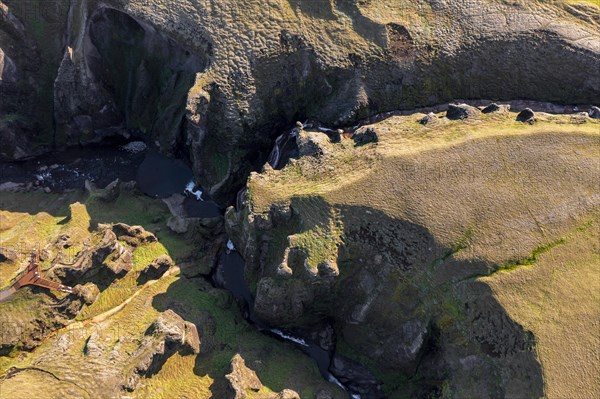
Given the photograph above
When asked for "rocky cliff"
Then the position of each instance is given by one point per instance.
(217, 81)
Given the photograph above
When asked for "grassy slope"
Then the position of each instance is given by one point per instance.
(496, 190)
(559, 300)
(495, 176)
(223, 331)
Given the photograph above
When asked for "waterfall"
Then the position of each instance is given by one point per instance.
(190, 188)
(283, 144)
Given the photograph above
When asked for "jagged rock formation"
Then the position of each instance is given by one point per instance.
(212, 80)
(103, 263)
(92, 270)
(245, 384)
(168, 334)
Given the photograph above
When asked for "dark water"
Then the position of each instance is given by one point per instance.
(160, 177)
(70, 169)
(201, 209)
(230, 275)
(156, 175)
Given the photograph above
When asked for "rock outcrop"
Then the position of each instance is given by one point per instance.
(156, 269)
(109, 259)
(245, 384)
(493, 108)
(133, 235)
(167, 335)
(365, 136)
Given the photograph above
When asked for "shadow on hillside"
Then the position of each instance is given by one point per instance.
(409, 276)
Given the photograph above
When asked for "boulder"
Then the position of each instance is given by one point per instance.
(365, 136)
(178, 224)
(495, 108)
(429, 119)
(594, 112)
(313, 144)
(175, 204)
(526, 116)
(461, 111)
(242, 379)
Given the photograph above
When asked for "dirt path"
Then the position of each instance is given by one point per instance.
(6, 293)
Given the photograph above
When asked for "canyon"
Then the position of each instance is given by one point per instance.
(317, 199)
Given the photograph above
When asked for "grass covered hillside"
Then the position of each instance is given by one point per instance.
(445, 251)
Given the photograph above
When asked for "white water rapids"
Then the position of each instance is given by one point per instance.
(189, 188)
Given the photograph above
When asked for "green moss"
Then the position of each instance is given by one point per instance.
(532, 257)
(144, 255)
(215, 162)
(459, 245)
(320, 245)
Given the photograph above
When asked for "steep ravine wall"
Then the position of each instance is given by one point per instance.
(136, 81)
(219, 81)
